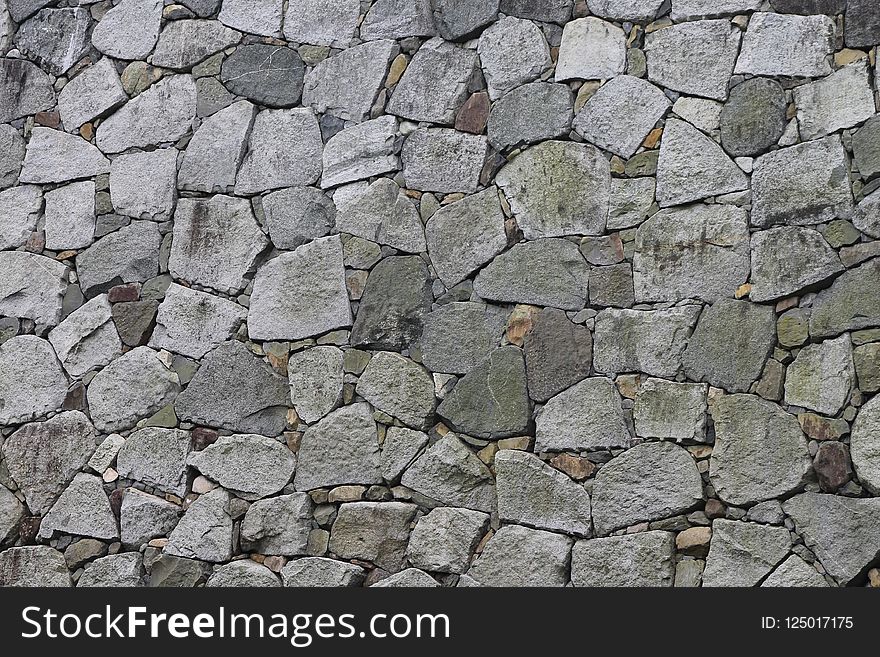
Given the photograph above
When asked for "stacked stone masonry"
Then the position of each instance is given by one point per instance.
(434, 293)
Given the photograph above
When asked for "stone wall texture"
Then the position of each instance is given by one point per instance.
(439, 293)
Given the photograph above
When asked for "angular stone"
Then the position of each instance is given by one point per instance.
(692, 9)
(70, 216)
(19, 212)
(11, 513)
(652, 342)
(866, 217)
(31, 566)
(24, 89)
(385, 215)
(82, 510)
(558, 354)
(742, 554)
(787, 45)
(31, 286)
(457, 336)
(548, 11)
(243, 573)
(842, 100)
(87, 338)
(322, 22)
(360, 152)
(822, 376)
(134, 199)
(849, 304)
(169, 572)
(702, 113)
(794, 572)
(43, 457)
(410, 578)
(346, 84)
(135, 321)
(399, 449)
(457, 19)
(279, 525)
(491, 400)
(754, 117)
(444, 540)
(129, 30)
(862, 24)
(589, 415)
(591, 49)
(399, 387)
(341, 449)
(531, 113)
(373, 531)
(255, 16)
(865, 446)
(269, 75)
(284, 151)
(32, 382)
(451, 474)
(647, 482)
(730, 345)
(395, 301)
(867, 363)
(128, 255)
(54, 156)
(692, 167)
(522, 557)
(645, 560)
(397, 19)
(56, 39)
(787, 260)
(249, 465)
(213, 155)
(144, 517)
(671, 411)
(315, 377)
(184, 43)
(297, 215)
(832, 466)
(443, 160)
(90, 94)
(205, 530)
(12, 150)
(612, 286)
(699, 252)
(216, 242)
(318, 571)
(760, 451)
(809, 7)
(512, 52)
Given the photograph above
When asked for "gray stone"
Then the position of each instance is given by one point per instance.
(131, 388)
(346, 84)
(452, 475)
(532, 493)
(19, 211)
(457, 19)
(377, 532)
(135, 320)
(558, 188)
(284, 151)
(822, 376)
(700, 252)
(32, 382)
(269, 75)
(90, 94)
(279, 525)
(11, 513)
(168, 571)
(742, 554)
(767, 513)
(865, 447)
(620, 115)
(205, 530)
(671, 411)
(787, 260)
(214, 154)
(128, 255)
(322, 22)
(216, 242)
(809, 7)
(69, 216)
(558, 354)
(87, 339)
(82, 510)
(529, 114)
(360, 152)
(795, 572)
(645, 560)
(862, 24)
(522, 557)
(702, 113)
(249, 465)
(341, 449)
(546, 272)
(255, 16)
(297, 215)
(385, 215)
(409, 578)
(465, 235)
(549, 11)
(144, 517)
(398, 19)
(394, 304)
(321, 572)
(754, 117)
(591, 49)
(787, 45)
(34, 565)
(843, 532)
(54, 156)
(243, 573)
(612, 286)
(457, 336)
(315, 377)
(43, 457)
(730, 345)
(651, 341)
(849, 304)
(399, 449)
(760, 451)
(129, 30)
(694, 58)
(512, 52)
(300, 294)
(647, 482)
(491, 400)
(589, 415)
(445, 539)
(56, 39)
(184, 43)
(134, 199)
(163, 113)
(640, 11)
(842, 100)
(866, 217)
(399, 387)
(12, 150)
(692, 9)
(236, 391)
(692, 167)
(443, 160)
(24, 89)
(156, 457)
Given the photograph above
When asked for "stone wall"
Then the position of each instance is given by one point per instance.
(439, 292)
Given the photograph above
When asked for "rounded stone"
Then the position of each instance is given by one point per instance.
(268, 75)
(753, 119)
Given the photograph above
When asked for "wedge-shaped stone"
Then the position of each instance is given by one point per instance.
(315, 377)
(12, 150)
(399, 387)
(787, 45)
(19, 211)
(321, 22)
(647, 482)
(34, 565)
(457, 19)
(849, 304)
(128, 255)
(69, 216)
(646, 559)
(591, 49)
(671, 411)
(360, 152)
(90, 94)
(24, 89)
(385, 215)
(297, 215)
(82, 510)
(843, 99)
(32, 382)
(443, 160)
(318, 571)
(444, 539)
(129, 30)
(254, 16)
(205, 530)
(144, 517)
(56, 39)
(53, 156)
(787, 260)
(213, 155)
(278, 525)
(795, 572)
(398, 19)
(409, 578)
(184, 43)
(865, 445)
(250, 465)
(742, 554)
(377, 532)
(558, 354)
(31, 286)
(87, 339)
(822, 376)
(523, 557)
(399, 449)
(512, 52)
(131, 197)
(760, 451)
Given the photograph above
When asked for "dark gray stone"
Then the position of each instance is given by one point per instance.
(56, 38)
(268, 75)
(532, 113)
(753, 118)
(457, 19)
(24, 89)
(862, 23)
(558, 354)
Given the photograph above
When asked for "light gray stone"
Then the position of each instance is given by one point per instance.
(849, 304)
(399, 387)
(866, 217)
(278, 525)
(128, 255)
(184, 43)
(645, 560)
(360, 152)
(87, 339)
(385, 215)
(213, 155)
(127, 190)
(822, 376)
(842, 100)
(795, 572)
(631, 202)
(787, 45)
(377, 532)
(32, 382)
(254, 16)
(742, 554)
(671, 411)
(156, 457)
(297, 215)
(409, 578)
(33, 565)
(19, 211)
(787, 260)
(529, 114)
(82, 510)
(512, 52)
(399, 449)
(702, 113)
(321, 572)
(397, 19)
(90, 94)
(144, 517)
(683, 10)
(243, 573)
(639, 11)
(458, 336)
(129, 30)
(322, 22)
(12, 150)
(251, 466)
(760, 451)
(69, 216)
(444, 540)
(11, 513)
(53, 156)
(650, 481)
(205, 530)
(591, 49)
(24, 89)
(443, 160)
(865, 446)
(315, 377)
(522, 557)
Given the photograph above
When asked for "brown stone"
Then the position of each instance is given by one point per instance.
(653, 138)
(474, 114)
(116, 501)
(28, 527)
(832, 466)
(396, 70)
(694, 541)
(48, 119)
(202, 437)
(576, 467)
(715, 509)
(520, 322)
(122, 293)
(874, 578)
(628, 385)
(36, 242)
(87, 131)
(822, 428)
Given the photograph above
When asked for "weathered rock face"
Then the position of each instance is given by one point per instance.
(558, 354)
(458, 336)
(787, 260)
(399, 387)
(205, 530)
(645, 559)
(250, 465)
(278, 525)
(501, 562)
(444, 539)
(742, 554)
(847, 305)
(822, 376)
(373, 531)
(156, 457)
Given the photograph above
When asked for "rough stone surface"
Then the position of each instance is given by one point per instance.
(443, 160)
(558, 354)
(93, 93)
(360, 152)
(156, 457)
(502, 564)
(644, 559)
(315, 377)
(205, 530)
(87, 339)
(671, 411)
(278, 525)
(795, 572)
(83, 510)
(319, 571)
(32, 287)
(297, 215)
(252, 466)
(377, 532)
(787, 260)
(129, 30)
(841, 100)
(591, 49)
(753, 119)
(385, 215)
(444, 539)
(742, 554)
(53, 157)
(35, 565)
(399, 387)
(787, 45)
(24, 89)
(822, 376)
(134, 199)
(529, 114)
